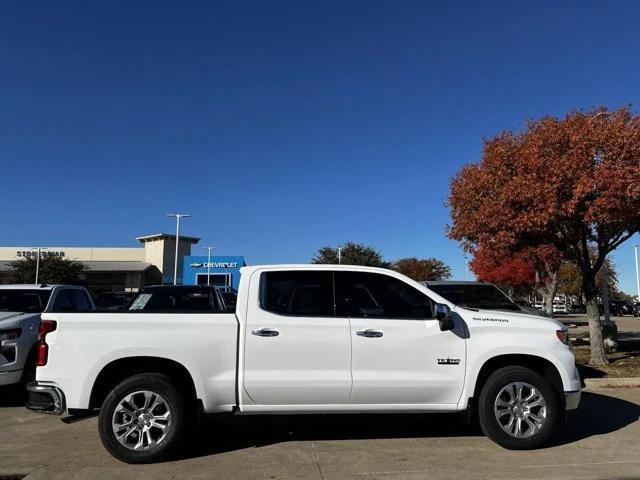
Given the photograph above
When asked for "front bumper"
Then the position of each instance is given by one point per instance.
(10, 378)
(45, 398)
(572, 400)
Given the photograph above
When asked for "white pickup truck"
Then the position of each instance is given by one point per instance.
(307, 339)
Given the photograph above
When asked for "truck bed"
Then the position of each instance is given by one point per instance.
(83, 344)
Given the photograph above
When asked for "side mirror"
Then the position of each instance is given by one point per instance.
(443, 314)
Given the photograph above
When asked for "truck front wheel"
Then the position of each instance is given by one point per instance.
(142, 419)
(517, 408)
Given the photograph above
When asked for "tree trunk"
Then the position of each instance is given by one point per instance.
(598, 355)
(550, 293)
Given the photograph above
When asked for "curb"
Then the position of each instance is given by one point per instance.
(615, 382)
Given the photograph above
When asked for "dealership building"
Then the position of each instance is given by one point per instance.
(223, 271)
(116, 269)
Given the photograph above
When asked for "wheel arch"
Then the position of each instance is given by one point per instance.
(118, 370)
(538, 364)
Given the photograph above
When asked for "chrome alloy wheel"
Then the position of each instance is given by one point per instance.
(520, 409)
(141, 420)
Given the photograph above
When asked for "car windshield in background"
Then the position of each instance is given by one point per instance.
(113, 300)
(475, 296)
(27, 301)
(176, 299)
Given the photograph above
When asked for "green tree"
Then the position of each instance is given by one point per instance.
(351, 254)
(422, 269)
(570, 279)
(52, 270)
(626, 297)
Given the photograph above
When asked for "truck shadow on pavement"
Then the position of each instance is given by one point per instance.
(13, 396)
(598, 414)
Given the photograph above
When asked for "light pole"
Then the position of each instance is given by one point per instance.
(635, 251)
(209, 248)
(466, 267)
(339, 254)
(178, 216)
(38, 249)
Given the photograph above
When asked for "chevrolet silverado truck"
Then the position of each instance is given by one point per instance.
(306, 339)
(21, 307)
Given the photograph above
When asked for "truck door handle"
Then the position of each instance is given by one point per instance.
(370, 333)
(266, 332)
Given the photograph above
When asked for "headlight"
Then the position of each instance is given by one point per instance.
(8, 352)
(10, 334)
(563, 336)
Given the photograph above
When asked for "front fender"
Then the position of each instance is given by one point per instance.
(560, 357)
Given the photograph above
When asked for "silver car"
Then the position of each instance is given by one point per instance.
(20, 309)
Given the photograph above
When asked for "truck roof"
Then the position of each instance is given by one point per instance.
(31, 286)
(314, 266)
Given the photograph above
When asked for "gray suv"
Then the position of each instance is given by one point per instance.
(20, 309)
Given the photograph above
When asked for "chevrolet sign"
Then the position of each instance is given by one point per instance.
(214, 265)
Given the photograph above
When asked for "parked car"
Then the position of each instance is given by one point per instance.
(20, 309)
(578, 308)
(230, 300)
(307, 339)
(113, 301)
(615, 308)
(560, 308)
(628, 308)
(528, 307)
(478, 295)
(178, 298)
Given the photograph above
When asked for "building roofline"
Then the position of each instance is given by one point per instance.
(167, 236)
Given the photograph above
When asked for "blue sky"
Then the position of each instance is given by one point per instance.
(282, 126)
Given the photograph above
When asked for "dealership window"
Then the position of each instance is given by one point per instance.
(220, 280)
(305, 294)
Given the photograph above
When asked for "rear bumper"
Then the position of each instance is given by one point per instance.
(45, 398)
(572, 400)
(10, 378)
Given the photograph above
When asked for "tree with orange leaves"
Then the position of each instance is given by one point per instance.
(571, 182)
(531, 267)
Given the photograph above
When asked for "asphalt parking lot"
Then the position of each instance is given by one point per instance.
(599, 441)
(628, 327)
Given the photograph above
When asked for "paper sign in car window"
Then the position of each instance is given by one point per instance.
(140, 301)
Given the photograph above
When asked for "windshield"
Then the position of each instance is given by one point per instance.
(28, 301)
(475, 296)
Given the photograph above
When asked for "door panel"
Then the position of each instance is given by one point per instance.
(296, 351)
(398, 351)
(401, 366)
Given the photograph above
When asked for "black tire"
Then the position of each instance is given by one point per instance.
(490, 425)
(157, 384)
(29, 369)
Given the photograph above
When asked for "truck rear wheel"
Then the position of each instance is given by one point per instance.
(142, 419)
(517, 408)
